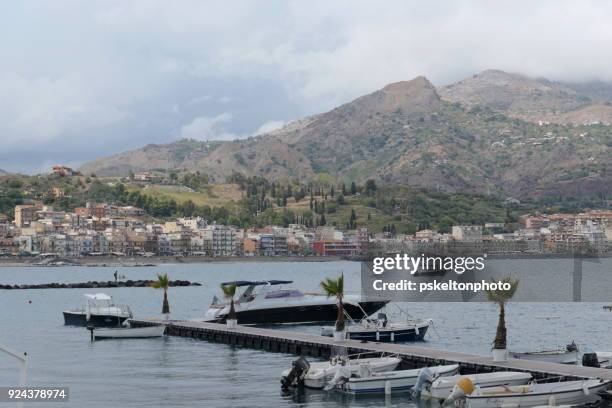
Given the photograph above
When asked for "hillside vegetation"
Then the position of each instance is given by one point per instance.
(496, 134)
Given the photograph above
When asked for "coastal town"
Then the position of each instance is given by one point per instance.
(102, 229)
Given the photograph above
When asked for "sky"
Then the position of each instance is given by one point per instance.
(85, 79)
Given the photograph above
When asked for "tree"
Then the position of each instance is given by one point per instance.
(229, 291)
(501, 297)
(370, 186)
(335, 287)
(163, 282)
(353, 188)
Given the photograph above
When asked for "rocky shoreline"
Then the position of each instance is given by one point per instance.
(98, 284)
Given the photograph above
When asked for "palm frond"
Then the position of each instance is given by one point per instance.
(162, 282)
(229, 290)
(333, 287)
(501, 296)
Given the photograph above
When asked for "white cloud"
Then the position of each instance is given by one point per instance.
(146, 67)
(269, 126)
(208, 128)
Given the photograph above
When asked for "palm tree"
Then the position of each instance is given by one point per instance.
(229, 291)
(163, 282)
(501, 297)
(335, 287)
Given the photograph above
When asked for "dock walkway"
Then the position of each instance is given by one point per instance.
(320, 346)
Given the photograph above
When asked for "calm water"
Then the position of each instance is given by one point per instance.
(176, 372)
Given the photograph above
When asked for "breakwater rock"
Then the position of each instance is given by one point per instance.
(98, 284)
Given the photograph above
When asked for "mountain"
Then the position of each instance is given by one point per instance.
(476, 136)
(515, 95)
(3, 172)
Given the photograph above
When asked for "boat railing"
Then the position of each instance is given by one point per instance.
(372, 354)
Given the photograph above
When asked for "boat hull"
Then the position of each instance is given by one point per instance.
(318, 378)
(400, 335)
(563, 395)
(80, 319)
(442, 388)
(399, 381)
(129, 333)
(560, 357)
(302, 314)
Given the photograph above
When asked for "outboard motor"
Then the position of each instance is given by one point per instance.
(382, 320)
(426, 376)
(590, 360)
(296, 376)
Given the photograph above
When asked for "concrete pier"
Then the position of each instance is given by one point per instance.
(319, 346)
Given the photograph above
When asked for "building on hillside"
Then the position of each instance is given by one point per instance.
(63, 171)
(144, 176)
(467, 233)
(130, 211)
(24, 215)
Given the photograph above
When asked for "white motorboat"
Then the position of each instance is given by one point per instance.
(100, 311)
(367, 382)
(568, 355)
(441, 388)
(318, 374)
(532, 395)
(380, 329)
(127, 332)
(263, 303)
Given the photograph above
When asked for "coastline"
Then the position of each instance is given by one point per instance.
(139, 261)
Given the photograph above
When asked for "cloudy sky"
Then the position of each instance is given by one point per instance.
(84, 79)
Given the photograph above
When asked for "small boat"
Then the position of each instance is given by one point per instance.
(366, 382)
(100, 311)
(262, 302)
(127, 332)
(318, 374)
(568, 355)
(441, 388)
(381, 330)
(532, 395)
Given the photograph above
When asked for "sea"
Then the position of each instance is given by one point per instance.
(181, 372)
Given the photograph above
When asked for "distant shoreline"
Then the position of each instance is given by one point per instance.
(139, 261)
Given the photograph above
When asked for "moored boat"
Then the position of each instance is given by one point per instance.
(128, 332)
(532, 395)
(318, 374)
(262, 302)
(568, 355)
(441, 388)
(366, 382)
(382, 331)
(100, 311)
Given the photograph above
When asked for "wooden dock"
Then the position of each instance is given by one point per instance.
(319, 346)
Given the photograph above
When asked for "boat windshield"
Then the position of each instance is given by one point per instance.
(276, 294)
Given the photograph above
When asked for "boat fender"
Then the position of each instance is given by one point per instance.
(552, 401)
(585, 389)
(463, 387)
(416, 329)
